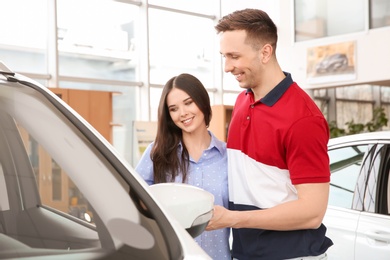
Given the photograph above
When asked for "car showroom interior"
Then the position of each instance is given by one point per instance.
(80, 89)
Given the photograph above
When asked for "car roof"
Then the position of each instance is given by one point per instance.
(367, 137)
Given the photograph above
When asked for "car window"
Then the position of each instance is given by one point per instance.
(371, 194)
(36, 209)
(345, 164)
(365, 195)
(56, 189)
(387, 194)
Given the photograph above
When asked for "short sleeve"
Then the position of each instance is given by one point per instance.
(307, 151)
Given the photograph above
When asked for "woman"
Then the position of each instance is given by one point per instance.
(185, 151)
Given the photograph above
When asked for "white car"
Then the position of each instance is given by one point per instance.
(358, 215)
(65, 193)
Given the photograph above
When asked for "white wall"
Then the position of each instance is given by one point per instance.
(372, 51)
(270, 6)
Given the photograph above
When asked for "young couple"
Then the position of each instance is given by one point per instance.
(271, 180)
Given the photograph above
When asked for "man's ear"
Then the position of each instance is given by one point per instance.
(266, 53)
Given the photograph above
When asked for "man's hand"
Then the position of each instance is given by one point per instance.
(219, 218)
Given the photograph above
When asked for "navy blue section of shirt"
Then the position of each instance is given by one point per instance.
(249, 244)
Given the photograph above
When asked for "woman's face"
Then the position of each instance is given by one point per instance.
(184, 112)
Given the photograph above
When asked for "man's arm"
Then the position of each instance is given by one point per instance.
(306, 212)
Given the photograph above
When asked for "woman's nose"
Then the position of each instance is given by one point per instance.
(183, 112)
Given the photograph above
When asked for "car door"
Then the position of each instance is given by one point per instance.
(373, 230)
(346, 162)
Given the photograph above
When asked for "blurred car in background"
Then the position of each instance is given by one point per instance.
(332, 63)
(358, 215)
(65, 193)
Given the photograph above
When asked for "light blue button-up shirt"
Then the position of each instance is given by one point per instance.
(210, 174)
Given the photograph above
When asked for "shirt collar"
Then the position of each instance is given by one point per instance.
(214, 143)
(274, 95)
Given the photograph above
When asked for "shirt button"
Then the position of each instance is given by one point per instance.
(248, 117)
(252, 106)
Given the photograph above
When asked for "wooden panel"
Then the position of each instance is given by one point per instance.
(93, 106)
(100, 112)
(220, 121)
(62, 93)
(79, 100)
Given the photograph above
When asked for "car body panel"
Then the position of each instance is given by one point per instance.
(373, 237)
(341, 228)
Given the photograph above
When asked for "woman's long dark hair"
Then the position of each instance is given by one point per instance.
(167, 162)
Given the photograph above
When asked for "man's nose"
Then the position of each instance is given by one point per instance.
(228, 66)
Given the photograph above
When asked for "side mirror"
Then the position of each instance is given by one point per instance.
(191, 206)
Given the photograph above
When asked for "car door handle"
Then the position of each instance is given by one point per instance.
(379, 235)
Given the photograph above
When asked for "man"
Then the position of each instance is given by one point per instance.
(277, 150)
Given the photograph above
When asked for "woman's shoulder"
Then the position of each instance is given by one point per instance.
(219, 144)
